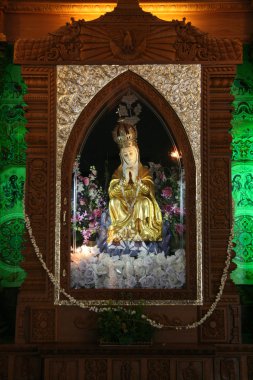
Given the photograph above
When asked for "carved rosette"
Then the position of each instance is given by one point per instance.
(42, 325)
(215, 328)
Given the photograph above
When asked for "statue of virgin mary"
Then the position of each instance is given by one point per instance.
(134, 212)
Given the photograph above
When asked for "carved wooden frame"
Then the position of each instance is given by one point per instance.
(218, 58)
(106, 96)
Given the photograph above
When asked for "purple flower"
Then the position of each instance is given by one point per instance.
(167, 208)
(167, 192)
(96, 213)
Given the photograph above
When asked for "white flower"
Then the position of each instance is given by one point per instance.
(172, 278)
(147, 270)
(124, 258)
(102, 269)
(118, 266)
(128, 269)
(100, 282)
(147, 282)
(163, 281)
(88, 277)
(105, 259)
(157, 272)
(148, 261)
(180, 253)
(82, 265)
(80, 187)
(139, 268)
(181, 278)
(75, 276)
(161, 259)
(131, 282)
(93, 193)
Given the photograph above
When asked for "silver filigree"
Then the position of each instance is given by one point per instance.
(180, 85)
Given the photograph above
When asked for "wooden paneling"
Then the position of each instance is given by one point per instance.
(67, 362)
(38, 320)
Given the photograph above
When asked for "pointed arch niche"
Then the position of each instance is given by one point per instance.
(89, 95)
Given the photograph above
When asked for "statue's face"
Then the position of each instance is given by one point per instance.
(129, 155)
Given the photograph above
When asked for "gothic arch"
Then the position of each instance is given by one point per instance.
(106, 97)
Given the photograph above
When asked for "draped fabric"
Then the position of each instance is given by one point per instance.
(135, 214)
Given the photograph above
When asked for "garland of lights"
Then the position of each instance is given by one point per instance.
(153, 323)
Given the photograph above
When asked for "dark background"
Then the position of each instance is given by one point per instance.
(154, 141)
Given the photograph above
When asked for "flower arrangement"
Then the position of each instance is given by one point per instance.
(170, 189)
(91, 269)
(91, 201)
(120, 325)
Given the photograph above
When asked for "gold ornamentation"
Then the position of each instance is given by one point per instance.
(180, 85)
(125, 135)
(135, 214)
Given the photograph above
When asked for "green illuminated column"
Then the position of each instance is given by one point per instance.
(242, 170)
(12, 169)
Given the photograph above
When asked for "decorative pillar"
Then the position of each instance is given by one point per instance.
(12, 169)
(242, 170)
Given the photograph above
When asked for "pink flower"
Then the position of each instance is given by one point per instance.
(179, 211)
(86, 181)
(79, 217)
(162, 177)
(167, 192)
(97, 213)
(179, 228)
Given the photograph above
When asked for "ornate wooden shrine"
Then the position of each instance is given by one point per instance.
(55, 332)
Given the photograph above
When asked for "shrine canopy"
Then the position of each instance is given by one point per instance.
(127, 35)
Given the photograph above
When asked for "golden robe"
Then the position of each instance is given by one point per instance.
(135, 214)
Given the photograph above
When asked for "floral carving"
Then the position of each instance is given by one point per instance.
(227, 368)
(178, 84)
(190, 370)
(43, 325)
(95, 369)
(129, 40)
(214, 329)
(158, 369)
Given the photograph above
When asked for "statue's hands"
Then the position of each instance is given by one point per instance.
(130, 176)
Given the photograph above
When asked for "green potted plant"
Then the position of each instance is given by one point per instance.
(124, 326)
